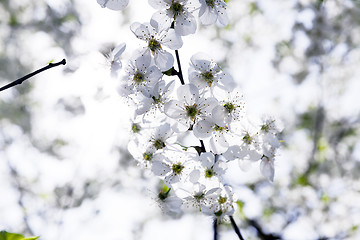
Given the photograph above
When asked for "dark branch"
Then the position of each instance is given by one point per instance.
(237, 230)
(215, 226)
(261, 233)
(179, 68)
(21, 80)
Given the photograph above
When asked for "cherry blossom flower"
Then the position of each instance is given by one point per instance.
(201, 196)
(221, 204)
(207, 128)
(155, 98)
(190, 106)
(174, 169)
(230, 109)
(114, 58)
(177, 12)
(155, 40)
(204, 72)
(212, 10)
(160, 139)
(167, 201)
(140, 76)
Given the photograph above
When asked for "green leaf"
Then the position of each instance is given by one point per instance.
(14, 236)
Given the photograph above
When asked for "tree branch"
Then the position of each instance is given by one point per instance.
(179, 68)
(215, 226)
(21, 80)
(237, 230)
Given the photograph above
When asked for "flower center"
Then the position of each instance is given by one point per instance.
(154, 45)
(159, 144)
(247, 138)
(157, 100)
(177, 168)
(199, 196)
(209, 173)
(210, 3)
(229, 107)
(208, 77)
(222, 200)
(147, 156)
(176, 8)
(192, 111)
(135, 128)
(217, 128)
(139, 77)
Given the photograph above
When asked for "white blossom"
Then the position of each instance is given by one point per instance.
(190, 106)
(140, 76)
(212, 10)
(155, 98)
(231, 108)
(155, 40)
(204, 72)
(114, 58)
(177, 12)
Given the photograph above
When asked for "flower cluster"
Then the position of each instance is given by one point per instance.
(186, 134)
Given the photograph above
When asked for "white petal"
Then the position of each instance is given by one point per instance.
(153, 74)
(203, 129)
(188, 93)
(207, 159)
(207, 15)
(160, 168)
(220, 116)
(232, 153)
(170, 179)
(173, 203)
(142, 62)
(163, 60)
(194, 176)
(160, 21)
(267, 168)
(218, 144)
(116, 53)
(173, 109)
(113, 4)
(140, 30)
(185, 25)
(222, 16)
(220, 167)
(172, 40)
(158, 4)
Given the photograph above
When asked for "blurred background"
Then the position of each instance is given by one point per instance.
(65, 172)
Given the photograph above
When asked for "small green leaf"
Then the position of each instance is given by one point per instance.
(51, 61)
(14, 236)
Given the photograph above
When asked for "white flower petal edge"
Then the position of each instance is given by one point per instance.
(116, 5)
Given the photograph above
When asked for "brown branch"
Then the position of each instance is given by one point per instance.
(21, 80)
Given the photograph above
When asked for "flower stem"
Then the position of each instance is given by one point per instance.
(237, 230)
(180, 75)
(215, 226)
(21, 80)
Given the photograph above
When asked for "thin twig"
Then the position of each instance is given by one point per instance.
(215, 226)
(21, 80)
(237, 230)
(179, 66)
